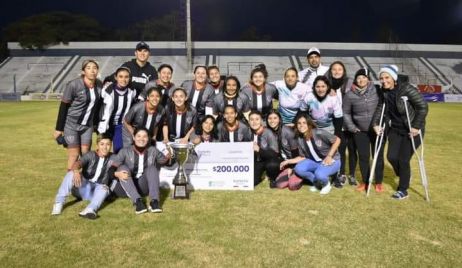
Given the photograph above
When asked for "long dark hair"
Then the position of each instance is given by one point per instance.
(326, 81)
(172, 104)
(334, 81)
(238, 84)
(278, 131)
(200, 131)
(309, 122)
(259, 68)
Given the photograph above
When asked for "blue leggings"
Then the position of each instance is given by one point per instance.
(315, 171)
(95, 192)
(117, 139)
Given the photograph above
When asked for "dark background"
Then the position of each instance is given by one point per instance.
(405, 21)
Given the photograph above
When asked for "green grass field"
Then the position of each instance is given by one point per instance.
(263, 228)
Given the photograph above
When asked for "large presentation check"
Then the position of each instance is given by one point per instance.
(216, 166)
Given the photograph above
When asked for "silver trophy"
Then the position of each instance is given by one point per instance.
(181, 153)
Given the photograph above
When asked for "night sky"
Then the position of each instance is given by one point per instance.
(413, 21)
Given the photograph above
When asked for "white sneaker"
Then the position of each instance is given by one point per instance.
(88, 213)
(325, 189)
(57, 209)
(313, 189)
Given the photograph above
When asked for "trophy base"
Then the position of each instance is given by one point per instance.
(180, 192)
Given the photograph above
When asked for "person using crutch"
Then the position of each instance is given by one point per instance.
(403, 126)
(359, 105)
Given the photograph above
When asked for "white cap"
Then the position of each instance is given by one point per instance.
(313, 50)
(392, 70)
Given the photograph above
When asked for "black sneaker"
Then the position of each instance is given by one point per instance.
(273, 184)
(352, 181)
(342, 178)
(400, 195)
(154, 206)
(140, 207)
(336, 181)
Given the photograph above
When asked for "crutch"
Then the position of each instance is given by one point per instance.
(420, 158)
(377, 146)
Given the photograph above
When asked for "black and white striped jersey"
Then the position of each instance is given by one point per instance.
(95, 168)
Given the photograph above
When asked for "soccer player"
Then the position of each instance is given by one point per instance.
(259, 92)
(206, 131)
(180, 119)
(79, 103)
(136, 169)
(292, 94)
(215, 79)
(230, 96)
(200, 93)
(148, 114)
(117, 98)
(89, 176)
(318, 157)
(266, 150)
(165, 82)
(231, 129)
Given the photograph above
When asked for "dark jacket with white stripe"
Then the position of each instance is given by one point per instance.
(129, 157)
(138, 117)
(89, 163)
(205, 99)
(188, 120)
(241, 134)
(322, 141)
(269, 94)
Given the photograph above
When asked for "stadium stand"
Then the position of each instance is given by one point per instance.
(45, 72)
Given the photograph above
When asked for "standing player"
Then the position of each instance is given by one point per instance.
(180, 119)
(165, 82)
(141, 70)
(200, 92)
(117, 102)
(78, 106)
(215, 79)
(259, 92)
(341, 84)
(292, 94)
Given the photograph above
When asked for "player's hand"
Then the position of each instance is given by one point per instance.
(256, 148)
(414, 132)
(77, 179)
(57, 133)
(378, 130)
(121, 175)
